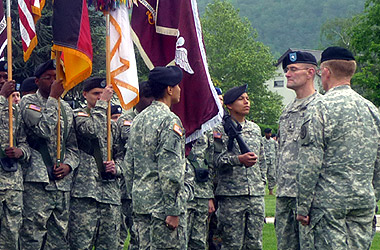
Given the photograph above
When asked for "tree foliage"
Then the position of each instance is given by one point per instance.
(366, 45)
(235, 57)
(293, 23)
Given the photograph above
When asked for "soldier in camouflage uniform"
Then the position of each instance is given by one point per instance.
(11, 186)
(124, 123)
(270, 149)
(300, 69)
(47, 185)
(198, 210)
(241, 179)
(339, 181)
(155, 163)
(95, 196)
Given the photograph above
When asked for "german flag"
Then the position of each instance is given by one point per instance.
(71, 36)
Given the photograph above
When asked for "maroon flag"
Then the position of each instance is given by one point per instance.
(169, 32)
(3, 32)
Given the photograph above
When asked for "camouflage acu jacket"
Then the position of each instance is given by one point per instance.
(288, 134)
(270, 149)
(339, 154)
(39, 120)
(89, 126)
(155, 162)
(12, 180)
(234, 178)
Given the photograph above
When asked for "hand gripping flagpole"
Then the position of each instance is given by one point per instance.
(9, 59)
(108, 78)
(59, 75)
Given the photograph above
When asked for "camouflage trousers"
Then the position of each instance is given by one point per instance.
(197, 224)
(93, 224)
(271, 176)
(127, 225)
(289, 233)
(46, 216)
(10, 219)
(240, 221)
(152, 233)
(340, 229)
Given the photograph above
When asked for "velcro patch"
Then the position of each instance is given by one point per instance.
(34, 107)
(178, 129)
(127, 123)
(217, 135)
(83, 114)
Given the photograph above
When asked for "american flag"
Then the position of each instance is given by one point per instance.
(3, 32)
(29, 13)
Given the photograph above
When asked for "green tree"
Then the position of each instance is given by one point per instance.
(336, 32)
(235, 57)
(365, 43)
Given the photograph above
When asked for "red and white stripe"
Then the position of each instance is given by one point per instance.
(26, 9)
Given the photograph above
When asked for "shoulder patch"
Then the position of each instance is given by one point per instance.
(217, 135)
(178, 129)
(34, 107)
(127, 123)
(83, 114)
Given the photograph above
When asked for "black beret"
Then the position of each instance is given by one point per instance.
(267, 130)
(336, 53)
(3, 66)
(167, 76)
(94, 82)
(116, 109)
(28, 84)
(232, 94)
(298, 57)
(42, 68)
(218, 90)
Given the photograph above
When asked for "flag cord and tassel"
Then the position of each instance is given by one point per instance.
(9, 59)
(108, 78)
(58, 76)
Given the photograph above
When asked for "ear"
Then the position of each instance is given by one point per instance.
(169, 90)
(228, 106)
(36, 81)
(84, 94)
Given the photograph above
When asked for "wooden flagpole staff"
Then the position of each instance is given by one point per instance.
(108, 78)
(59, 74)
(9, 59)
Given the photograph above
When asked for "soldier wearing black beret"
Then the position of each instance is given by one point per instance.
(300, 69)
(28, 86)
(116, 111)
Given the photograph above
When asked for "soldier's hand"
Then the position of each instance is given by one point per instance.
(211, 206)
(61, 171)
(13, 152)
(110, 167)
(304, 220)
(172, 222)
(8, 88)
(56, 89)
(248, 159)
(107, 93)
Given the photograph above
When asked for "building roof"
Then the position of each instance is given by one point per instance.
(316, 53)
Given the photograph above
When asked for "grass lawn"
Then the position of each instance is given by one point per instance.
(270, 203)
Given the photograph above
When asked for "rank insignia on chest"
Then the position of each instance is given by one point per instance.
(127, 123)
(83, 114)
(178, 129)
(217, 135)
(34, 107)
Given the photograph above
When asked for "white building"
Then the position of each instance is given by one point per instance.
(278, 83)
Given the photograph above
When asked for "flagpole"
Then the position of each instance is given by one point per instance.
(9, 59)
(58, 76)
(108, 78)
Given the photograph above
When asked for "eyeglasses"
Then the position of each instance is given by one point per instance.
(319, 71)
(294, 69)
(48, 77)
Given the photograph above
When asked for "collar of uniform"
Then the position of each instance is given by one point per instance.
(338, 88)
(161, 104)
(299, 104)
(40, 97)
